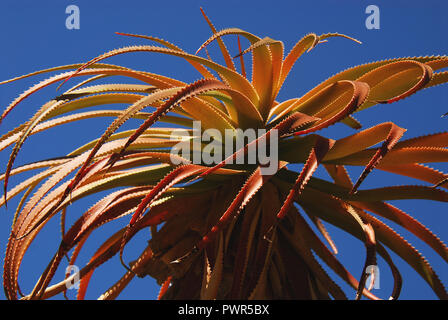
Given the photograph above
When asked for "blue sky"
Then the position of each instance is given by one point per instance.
(34, 37)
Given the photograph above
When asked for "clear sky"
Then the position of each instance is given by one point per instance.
(34, 36)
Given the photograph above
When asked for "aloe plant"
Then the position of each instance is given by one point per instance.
(228, 231)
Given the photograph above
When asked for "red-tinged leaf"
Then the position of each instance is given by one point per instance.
(399, 193)
(395, 81)
(362, 140)
(211, 288)
(317, 153)
(397, 156)
(305, 44)
(441, 183)
(261, 68)
(321, 227)
(177, 175)
(203, 71)
(436, 140)
(271, 83)
(417, 171)
(222, 46)
(394, 135)
(243, 68)
(164, 288)
(325, 36)
(339, 112)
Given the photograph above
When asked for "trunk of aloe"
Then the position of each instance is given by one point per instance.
(261, 259)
